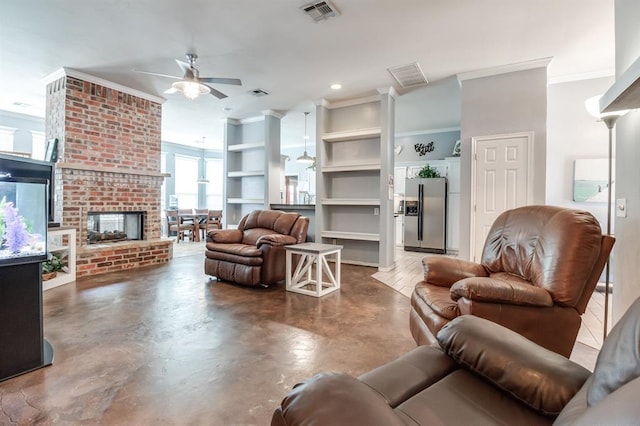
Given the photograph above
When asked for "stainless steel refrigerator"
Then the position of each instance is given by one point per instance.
(425, 215)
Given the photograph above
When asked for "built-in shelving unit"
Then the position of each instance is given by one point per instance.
(625, 92)
(252, 147)
(354, 161)
(62, 241)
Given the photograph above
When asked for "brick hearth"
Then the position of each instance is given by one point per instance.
(108, 160)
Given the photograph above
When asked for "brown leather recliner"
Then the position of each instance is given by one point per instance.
(253, 254)
(481, 374)
(540, 265)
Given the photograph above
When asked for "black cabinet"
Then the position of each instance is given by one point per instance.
(22, 347)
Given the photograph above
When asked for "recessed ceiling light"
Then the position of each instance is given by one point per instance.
(336, 86)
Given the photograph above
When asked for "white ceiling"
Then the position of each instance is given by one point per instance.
(274, 46)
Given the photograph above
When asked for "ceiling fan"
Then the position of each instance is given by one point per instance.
(191, 84)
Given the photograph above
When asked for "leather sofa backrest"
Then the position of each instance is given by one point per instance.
(264, 222)
(552, 247)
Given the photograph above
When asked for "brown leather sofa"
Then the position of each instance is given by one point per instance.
(539, 267)
(253, 254)
(482, 374)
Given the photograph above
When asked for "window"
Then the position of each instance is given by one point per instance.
(6, 138)
(186, 182)
(38, 145)
(214, 187)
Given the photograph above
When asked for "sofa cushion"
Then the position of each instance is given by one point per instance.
(541, 379)
(619, 359)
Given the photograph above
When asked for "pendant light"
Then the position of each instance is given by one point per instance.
(305, 158)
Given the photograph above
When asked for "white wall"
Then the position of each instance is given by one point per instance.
(572, 133)
(627, 249)
(499, 104)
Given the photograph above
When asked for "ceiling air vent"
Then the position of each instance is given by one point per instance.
(408, 75)
(258, 92)
(320, 10)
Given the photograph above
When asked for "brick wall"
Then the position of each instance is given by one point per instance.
(108, 160)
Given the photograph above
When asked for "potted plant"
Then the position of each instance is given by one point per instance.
(51, 266)
(428, 172)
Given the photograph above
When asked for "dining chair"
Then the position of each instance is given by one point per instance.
(213, 221)
(174, 224)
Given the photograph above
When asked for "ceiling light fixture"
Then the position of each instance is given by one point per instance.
(305, 158)
(336, 86)
(191, 89)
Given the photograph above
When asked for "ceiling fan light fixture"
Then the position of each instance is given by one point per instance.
(191, 89)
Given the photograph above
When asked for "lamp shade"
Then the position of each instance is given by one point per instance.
(305, 158)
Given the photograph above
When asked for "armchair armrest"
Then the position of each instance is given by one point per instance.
(275, 240)
(541, 379)
(334, 399)
(224, 236)
(444, 271)
(501, 291)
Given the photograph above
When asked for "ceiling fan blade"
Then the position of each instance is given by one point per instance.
(171, 91)
(216, 93)
(158, 74)
(186, 69)
(234, 81)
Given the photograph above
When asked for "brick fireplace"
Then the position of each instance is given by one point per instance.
(108, 161)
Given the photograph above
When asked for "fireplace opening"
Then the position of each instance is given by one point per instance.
(111, 227)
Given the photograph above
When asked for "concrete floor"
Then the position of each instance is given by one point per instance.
(165, 345)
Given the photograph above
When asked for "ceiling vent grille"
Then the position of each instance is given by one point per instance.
(258, 92)
(320, 10)
(409, 75)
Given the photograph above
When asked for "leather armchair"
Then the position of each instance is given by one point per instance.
(253, 254)
(539, 267)
(481, 373)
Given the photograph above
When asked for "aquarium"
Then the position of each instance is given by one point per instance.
(23, 220)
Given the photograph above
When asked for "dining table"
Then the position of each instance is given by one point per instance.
(195, 219)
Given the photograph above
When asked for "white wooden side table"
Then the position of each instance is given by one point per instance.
(302, 280)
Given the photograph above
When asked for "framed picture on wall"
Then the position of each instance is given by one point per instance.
(51, 155)
(591, 180)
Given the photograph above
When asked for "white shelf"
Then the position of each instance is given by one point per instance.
(245, 173)
(60, 279)
(351, 135)
(352, 167)
(350, 202)
(360, 236)
(245, 201)
(70, 248)
(245, 146)
(625, 92)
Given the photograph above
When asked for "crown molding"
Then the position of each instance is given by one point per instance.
(322, 102)
(351, 102)
(70, 72)
(273, 113)
(252, 119)
(427, 132)
(228, 120)
(391, 91)
(609, 72)
(503, 69)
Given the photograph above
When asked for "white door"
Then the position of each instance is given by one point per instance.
(501, 181)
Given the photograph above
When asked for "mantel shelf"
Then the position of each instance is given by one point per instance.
(102, 169)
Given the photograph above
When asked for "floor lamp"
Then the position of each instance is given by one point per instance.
(609, 119)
